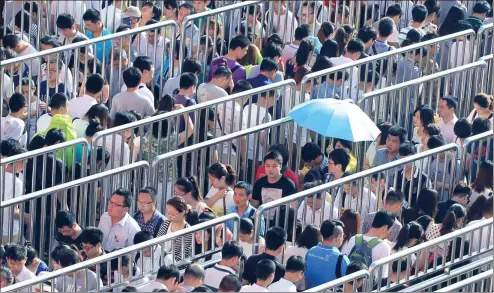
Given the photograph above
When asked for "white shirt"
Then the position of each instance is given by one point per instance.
(147, 49)
(154, 285)
(116, 158)
(229, 124)
(317, 215)
(353, 73)
(264, 117)
(459, 54)
(294, 250)
(147, 262)
(143, 90)
(119, 235)
(351, 202)
(289, 51)
(114, 17)
(288, 32)
(253, 288)
(214, 275)
(7, 88)
(487, 241)
(371, 153)
(43, 122)
(379, 251)
(25, 275)
(218, 206)
(10, 182)
(173, 84)
(247, 247)
(447, 129)
(12, 127)
(288, 105)
(33, 64)
(283, 285)
(78, 107)
(208, 92)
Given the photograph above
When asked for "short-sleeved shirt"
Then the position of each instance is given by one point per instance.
(249, 273)
(89, 278)
(250, 119)
(186, 102)
(102, 49)
(127, 101)
(266, 192)
(393, 232)
(321, 263)
(119, 235)
(51, 91)
(208, 92)
(238, 71)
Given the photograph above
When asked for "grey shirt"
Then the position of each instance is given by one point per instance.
(126, 101)
(66, 283)
(393, 232)
(256, 69)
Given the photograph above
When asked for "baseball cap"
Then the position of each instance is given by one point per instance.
(131, 11)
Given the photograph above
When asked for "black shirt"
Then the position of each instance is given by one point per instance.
(67, 240)
(249, 273)
(267, 192)
(442, 210)
(406, 190)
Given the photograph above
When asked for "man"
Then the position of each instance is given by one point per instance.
(237, 50)
(16, 256)
(479, 14)
(308, 16)
(394, 12)
(242, 194)
(274, 185)
(352, 53)
(283, 21)
(295, 269)
(314, 163)
(6, 277)
(150, 258)
(419, 15)
(219, 86)
(393, 204)
(118, 227)
(91, 240)
(385, 29)
(12, 188)
(461, 195)
(58, 106)
(148, 217)
(132, 99)
(325, 262)
(265, 270)
(78, 107)
(15, 72)
(230, 283)
(191, 31)
(314, 207)
(273, 51)
(68, 31)
(368, 36)
(275, 241)
(193, 277)
(23, 48)
(231, 252)
(337, 164)
(131, 17)
(331, 87)
(172, 85)
(301, 33)
(65, 74)
(68, 231)
(147, 47)
(13, 125)
(146, 66)
(446, 110)
(396, 136)
(79, 281)
(95, 29)
(267, 73)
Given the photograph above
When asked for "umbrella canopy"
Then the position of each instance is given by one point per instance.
(335, 118)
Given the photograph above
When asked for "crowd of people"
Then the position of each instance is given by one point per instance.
(326, 236)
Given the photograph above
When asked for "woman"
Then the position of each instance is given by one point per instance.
(97, 111)
(329, 49)
(302, 59)
(376, 145)
(352, 221)
(410, 235)
(177, 213)
(426, 205)
(428, 131)
(34, 263)
(214, 30)
(325, 32)
(188, 189)
(253, 57)
(422, 116)
(448, 26)
(203, 240)
(476, 210)
(483, 184)
(342, 36)
(220, 196)
(483, 107)
(92, 128)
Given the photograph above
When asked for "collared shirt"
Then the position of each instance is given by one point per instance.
(214, 275)
(102, 49)
(153, 224)
(119, 235)
(250, 212)
(382, 158)
(78, 107)
(317, 214)
(321, 263)
(364, 202)
(447, 129)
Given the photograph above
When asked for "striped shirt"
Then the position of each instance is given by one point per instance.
(404, 31)
(165, 229)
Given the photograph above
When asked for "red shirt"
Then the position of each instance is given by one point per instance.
(261, 172)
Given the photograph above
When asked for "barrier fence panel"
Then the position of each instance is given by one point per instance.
(488, 78)
(368, 191)
(108, 267)
(349, 283)
(483, 282)
(484, 40)
(80, 196)
(432, 257)
(476, 149)
(65, 69)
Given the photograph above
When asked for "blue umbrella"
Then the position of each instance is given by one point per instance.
(335, 118)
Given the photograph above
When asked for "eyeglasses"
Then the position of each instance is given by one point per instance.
(87, 248)
(111, 203)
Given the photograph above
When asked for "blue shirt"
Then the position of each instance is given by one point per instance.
(250, 212)
(102, 48)
(321, 263)
(325, 91)
(42, 93)
(258, 81)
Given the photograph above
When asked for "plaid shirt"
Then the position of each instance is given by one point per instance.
(149, 225)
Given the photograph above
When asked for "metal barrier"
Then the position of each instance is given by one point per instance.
(368, 190)
(80, 197)
(348, 283)
(475, 150)
(102, 264)
(469, 285)
(488, 78)
(431, 261)
(484, 40)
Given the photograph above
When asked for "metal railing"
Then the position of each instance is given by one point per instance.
(484, 40)
(156, 245)
(348, 283)
(484, 280)
(79, 196)
(475, 150)
(430, 167)
(488, 78)
(431, 257)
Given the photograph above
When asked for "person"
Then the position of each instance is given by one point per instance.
(368, 35)
(463, 130)
(265, 272)
(231, 252)
(443, 167)
(168, 278)
(283, 21)
(188, 188)
(351, 225)
(230, 283)
(220, 196)
(193, 277)
(446, 110)
(275, 241)
(148, 217)
(475, 211)
(419, 15)
(16, 257)
(219, 86)
(422, 116)
(92, 243)
(309, 238)
(426, 205)
(117, 225)
(410, 235)
(376, 145)
(131, 99)
(301, 33)
(246, 237)
(325, 262)
(337, 164)
(393, 203)
(283, 150)
(34, 263)
(273, 51)
(479, 14)
(146, 65)
(53, 84)
(477, 243)
(58, 105)
(483, 183)
(78, 107)
(396, 136)
(295, 269)
(6, 276)
(149, 258)
(94, 29)
(68, 231)
(69, 30)
(267, 74)
(188, 83)
(13, 187)
(191, 65)
(242, 194)
(369, 247)
(13, 126)
(22, 48)
(461, 195)
(386, 28)
(83, 280)
(483, 108)
(237, 50)
(353, 51)
(317, 208)
(351, 197)
(347, 146)
(275, 185)
(314, 163)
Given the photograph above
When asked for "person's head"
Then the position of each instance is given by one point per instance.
(409, 235)
(339, 143)
(354, 48)
(170, 9)
(407, 149)
(91, 241)
(396, 136)
(275, 240)
(454, 219)
(194, 273)
(67, 257)
(325, 32)
(143, 236)
(419, 13)
(304, 52)
(383, 136)
(382, 223)
(413, 37)
(463, 129)
(354, 267)
(269, 67)
(394, 12)
(120, 203)
(168, 275)
(188, 189)
(310, 237)
(272, 50)
(432, 9)
(7, 145)
(267, 99)
(329, 49)
(332, 232)
(455, 14)
(483, 103)
(65, 223)
(146, 66)
(385, 27)
(296, 267)
(131, 17)
(342, 36)
(302, 32)
(184, 10)
(314, 201)
(351, 223)
(54, 136)
(435, 141)
(48, 42)
(146, 200)
(150, 11)
(242, 194)
(427, 202)
(230, 283)
(132, 77)
(461, 193)
(58, 104)
(54, 67)
(241, 86)
(308, 12)
(221, 175)
(480, 9)
(246, 231)
(481, 125)
(312, 155)
(17, 103)
(422, 116)
(239, 46)
(484, 177)
(6, 276)
(394, 201)
(367, 35)
(66, 24)
(188, 83)
(191, 65)
(92, 20)
(95, 84)
(265, 270)
(231, 252)
(273, 162)
(176, 209)
(338, 161)
(16, 256)
(223, 77)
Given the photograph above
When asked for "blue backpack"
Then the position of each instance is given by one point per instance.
(362, 251)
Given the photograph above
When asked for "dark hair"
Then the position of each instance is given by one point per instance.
(282, 149)
(342, 36)
(455, 14)
(271, 50)
(246, 226)
(124, 117)
(21, 20)
(413, 37)
(432, 129)
(435, 141)
(91, 235)
(301, 32)
(178, 203)
(99, 112)
(351, 220)
(231, 249)
(244, 185)
(230, 283)
(126, 194)
(310, 151)
(326, 29)
(398, 131)
(462, 25)
(412, 230)
(383, 218)
(393, 10)
(481, 7)
(58, 100)
(275, 156)
(239, 41)
(132, 77)
(17, 102)
(462, 190)
(432, 6)
(296, 264)
(36, 143)
(93, 127)
(340, 157)
(264, 269)
(385, 27)
(463, 128)
(483, 179)
(143, 63)
(419, 13)
(455, 212)
(67, 257)
(219, 170)
(330, 50)
(142, 236)
(345, 143)
(241, 86)
(190, 184)
(424, 221)
(370, 76)
(10, 41)
(384, 128)
(354, 267)
(268, 64)
(15, 252)
(407, 149)
(483, 100)
(54, 254)
(91, 15)
(450, 102)
(190, 65)
(275, 237)
(366, 34)
(222, 71)
(426, 114)
(168, 272)
(476, 210)
(6, 274)
(129, 288)
(187, 80)
(427, 202)
(64, 219)
(8, 145)
(54, 135)
(481, 125)
(201, 289)
(303, 52)
(395, 196)
(328, 228)
(94, 83)
(310, 237)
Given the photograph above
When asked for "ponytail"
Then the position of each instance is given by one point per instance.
(402, 238)
(190, 184)
(449, 223)
(476, 210)
(219, 170)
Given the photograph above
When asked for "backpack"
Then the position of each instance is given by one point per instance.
(362, 251)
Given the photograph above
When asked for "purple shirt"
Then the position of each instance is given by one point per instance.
(186, 102)
(238, 71)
